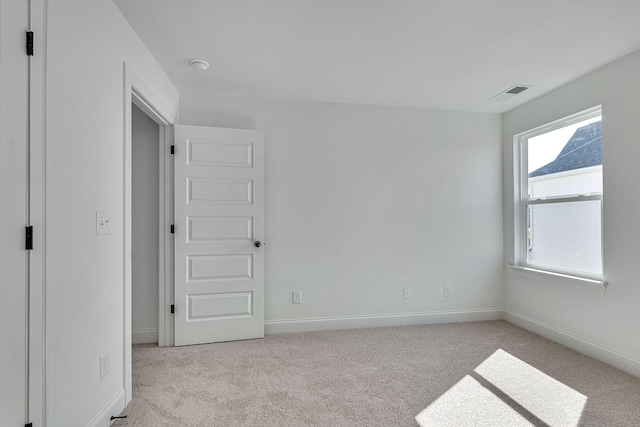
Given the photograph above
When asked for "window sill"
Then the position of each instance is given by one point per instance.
(565, 280)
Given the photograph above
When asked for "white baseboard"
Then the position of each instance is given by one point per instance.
(607, 355)
(114, 407)
(144, 336)
(380, 320)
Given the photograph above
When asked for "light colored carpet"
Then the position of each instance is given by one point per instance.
(462, 374)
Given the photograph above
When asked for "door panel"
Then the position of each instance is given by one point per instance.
(220, 228)
(210, 306)
(13, 212)
(220, 267)
(233, 191)
(219, 212)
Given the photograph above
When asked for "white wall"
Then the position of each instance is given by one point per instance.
(145, 145)
(14, 155)
(601, 325)
(87, 43)
(362, 201)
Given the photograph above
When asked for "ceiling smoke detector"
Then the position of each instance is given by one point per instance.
(510, 93)
(199, 64)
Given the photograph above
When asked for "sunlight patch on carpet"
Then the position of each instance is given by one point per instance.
(507, 392)
(543, 396)
(468, 403)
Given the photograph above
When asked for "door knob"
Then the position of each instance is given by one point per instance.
(257, 243)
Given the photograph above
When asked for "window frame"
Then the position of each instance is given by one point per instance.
(523, 202)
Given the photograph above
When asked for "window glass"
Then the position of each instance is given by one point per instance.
(566, 161)
(561, 196)
(566, 236)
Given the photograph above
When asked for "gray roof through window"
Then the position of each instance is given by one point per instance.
(584, 149)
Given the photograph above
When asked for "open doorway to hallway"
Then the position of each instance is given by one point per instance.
(145, 149)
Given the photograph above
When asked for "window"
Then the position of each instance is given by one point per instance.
(559, 196)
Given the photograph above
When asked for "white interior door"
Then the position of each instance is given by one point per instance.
(219, 229)
(14, 75)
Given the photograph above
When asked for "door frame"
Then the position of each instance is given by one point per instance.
(37, 303)
(138, 93)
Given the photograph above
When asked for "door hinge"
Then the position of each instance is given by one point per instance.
(173, 149)
(28, 425)
(173, 228)
(30, 43)
(173, 308)
(28, 237)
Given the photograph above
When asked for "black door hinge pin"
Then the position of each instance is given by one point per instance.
(173, 308)
(29, 237)
(173, 228)
(30, 43)
(173, 149)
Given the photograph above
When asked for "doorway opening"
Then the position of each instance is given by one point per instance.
(145, 208)
(151, 108)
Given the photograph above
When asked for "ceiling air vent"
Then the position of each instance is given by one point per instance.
(516, 90)
(510, 93)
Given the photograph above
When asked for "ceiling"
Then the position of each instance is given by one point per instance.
(447, 54)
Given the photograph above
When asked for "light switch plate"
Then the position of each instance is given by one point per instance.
(105, 365)
(297, 297)
(103, 222)
(447, 291)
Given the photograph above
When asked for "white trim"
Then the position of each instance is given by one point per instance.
(572, 119)
(136, 91)
(563, 199)
(114, 407)
(576, 282)
(144, 336)
(165, 240)
(37, 214)
(520, 191)
(165, 215)
(146, 100)
(380, 320)
(607, 355)
(162, 242)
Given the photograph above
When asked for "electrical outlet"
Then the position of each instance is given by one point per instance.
(447, 290)
(406, 293)
(105, 365)
(103, 222)
(297, 297)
